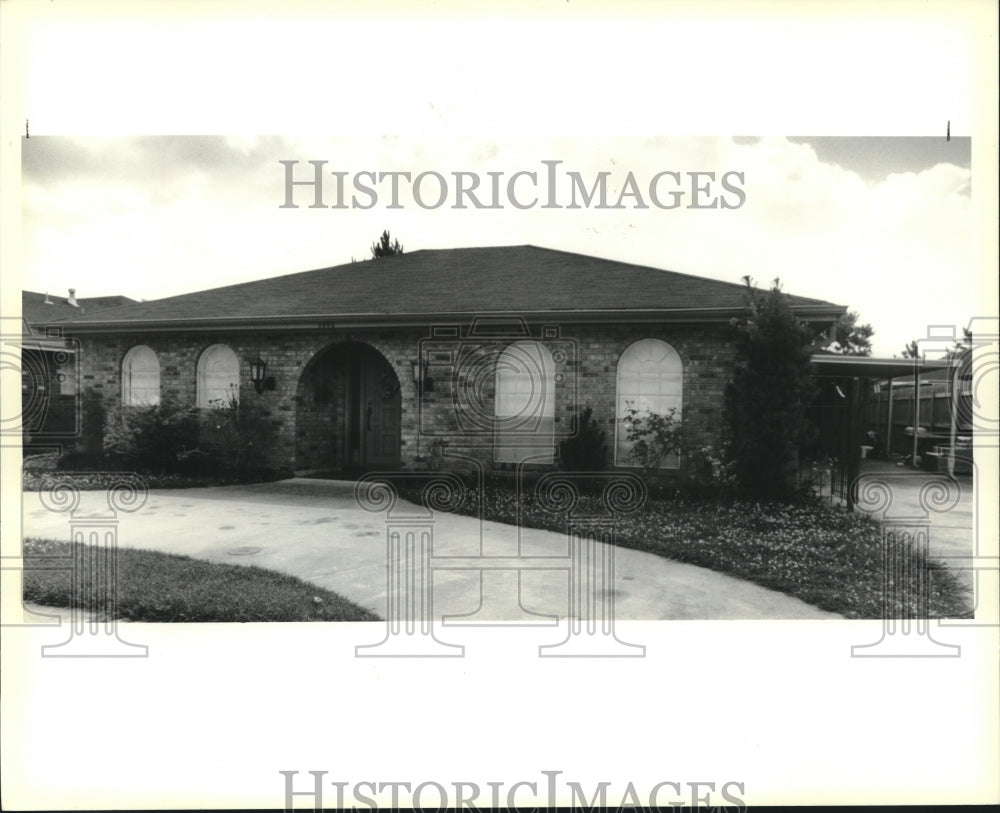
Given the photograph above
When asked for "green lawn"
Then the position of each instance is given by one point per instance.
(815, 551)
(154, 586)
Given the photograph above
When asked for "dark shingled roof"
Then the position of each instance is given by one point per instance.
(495, 280)
(35, 310)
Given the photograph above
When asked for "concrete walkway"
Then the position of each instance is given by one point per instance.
(315, 530)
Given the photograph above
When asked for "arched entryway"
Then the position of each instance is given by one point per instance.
(348, 411)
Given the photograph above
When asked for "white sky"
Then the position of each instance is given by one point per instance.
(881, 225)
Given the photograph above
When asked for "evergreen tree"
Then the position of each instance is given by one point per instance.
(962, 345)
(386, 247)
(771, 390)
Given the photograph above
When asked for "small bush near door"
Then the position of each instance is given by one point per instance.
(159, 439)
(239, 434)
(585, 449)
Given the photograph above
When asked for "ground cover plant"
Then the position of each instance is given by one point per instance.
(153, 586)
(815, 551)
(38, 467)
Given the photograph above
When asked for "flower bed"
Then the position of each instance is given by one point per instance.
(38, 467)
(819, 553)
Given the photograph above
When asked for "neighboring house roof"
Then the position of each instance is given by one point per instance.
(44, 308)
(462, 282)
(41, 309)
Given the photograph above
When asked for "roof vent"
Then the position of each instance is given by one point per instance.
(72, 297)
(47, 301)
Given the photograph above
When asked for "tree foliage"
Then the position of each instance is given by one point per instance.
(385, 246)
(771, 390)
(912, 350)
(962, 345)
(850, 338)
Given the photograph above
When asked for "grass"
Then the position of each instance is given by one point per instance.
(819, 553)
(153, 586)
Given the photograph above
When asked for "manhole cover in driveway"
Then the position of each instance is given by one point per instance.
(245, 551)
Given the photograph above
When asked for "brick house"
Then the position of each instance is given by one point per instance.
(438, 355)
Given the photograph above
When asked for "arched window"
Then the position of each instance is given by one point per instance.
(140, 377)
(218, 376)
(524, 404)
(650, 378)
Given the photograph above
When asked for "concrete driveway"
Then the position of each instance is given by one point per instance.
(315, 530)
(905, 497)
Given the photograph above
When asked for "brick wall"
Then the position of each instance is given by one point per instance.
(457, 407)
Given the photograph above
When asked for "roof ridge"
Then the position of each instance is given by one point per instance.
(466, 279)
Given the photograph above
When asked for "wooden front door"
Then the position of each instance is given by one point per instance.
(380, 412)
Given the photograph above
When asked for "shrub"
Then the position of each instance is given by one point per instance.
(771, 389)
(92, 423)
(160, 438)
(653, 437)
(585, 449)
(712, 468)
(239, 434)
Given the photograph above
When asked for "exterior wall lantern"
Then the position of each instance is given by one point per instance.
(419, 369)
(258, 368)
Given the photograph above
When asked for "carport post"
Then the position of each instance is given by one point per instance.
(888, 425)
(956, 383)
(853, 446)
(916, 412)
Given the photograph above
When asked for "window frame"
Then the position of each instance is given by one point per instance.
(129, 388)
(506, 449)
(202, 389)
(671, 365)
